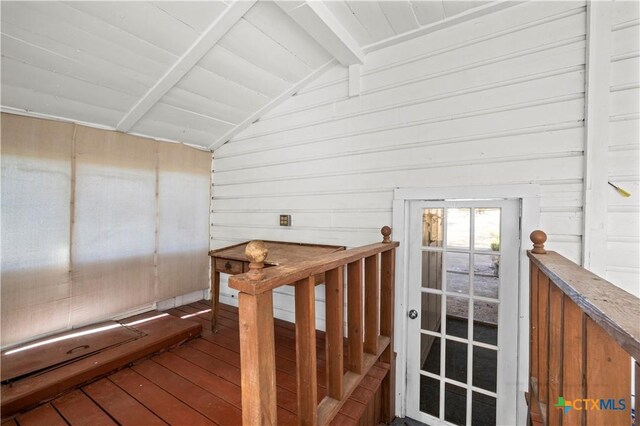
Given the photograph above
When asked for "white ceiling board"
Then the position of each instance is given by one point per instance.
(325, 28)
(83, 41)
(370, 14)
(225, 91)
(400, 15)
(187, 119)
(103, 73)
(467, 15)
(23, 75)
(241, 71)
(192, 71)
(187, 61)
(275, 23)
(452, 8)
(196, 14)
(143, 20)
(162, 130)
(264, 52)
(345, 16)
(428, 12)
(57, 106)
(201, 104)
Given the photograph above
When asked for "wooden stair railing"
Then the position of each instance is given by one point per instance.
(370, 329)
(584, 333)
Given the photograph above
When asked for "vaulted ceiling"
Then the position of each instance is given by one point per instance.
(196, 72)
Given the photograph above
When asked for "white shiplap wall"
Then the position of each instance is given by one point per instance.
(495, 100)
(623, 226)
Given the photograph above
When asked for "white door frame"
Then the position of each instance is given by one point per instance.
(529, 196)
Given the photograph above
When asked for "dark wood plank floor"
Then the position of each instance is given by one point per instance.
(196, 383)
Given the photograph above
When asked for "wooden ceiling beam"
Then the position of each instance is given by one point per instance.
(317, 20)
(218, 28)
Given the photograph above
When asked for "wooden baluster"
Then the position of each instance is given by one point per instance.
(354, 316)
(533, 312)
(387, 300)
(572, 359)
(555, 353)
(215, 296)
(257, 351)
(637, 390)
(543, 342)
(533, 336)
(306, 375)
(371, 309)
(334, 281)
(608, 376)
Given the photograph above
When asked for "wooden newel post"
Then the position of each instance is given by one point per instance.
(386, 234)
(257, 346)
(538, 238)
(256, 252)
(387, 301)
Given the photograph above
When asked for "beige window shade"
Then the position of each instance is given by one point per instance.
(127, 216)
(184, 176)
(36, 193)
(115, 224)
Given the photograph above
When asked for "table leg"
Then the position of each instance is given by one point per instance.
(215, 298)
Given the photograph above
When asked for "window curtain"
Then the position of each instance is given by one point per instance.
(36, 188)
(95, 224)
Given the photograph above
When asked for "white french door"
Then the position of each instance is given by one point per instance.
(463, 303)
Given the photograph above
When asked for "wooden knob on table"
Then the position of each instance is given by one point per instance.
(538, 238)
(386, 234)
(256, 252)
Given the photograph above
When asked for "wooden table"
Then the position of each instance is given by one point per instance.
(232, 260)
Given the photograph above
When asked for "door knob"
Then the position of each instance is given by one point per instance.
(413, 314)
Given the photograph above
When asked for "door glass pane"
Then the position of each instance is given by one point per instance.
(483, 410)
(485, 333)
(432, 270)
(432, 227)
(430, 316)
(486, 275)
(455, 404)
(430, 396)
(457, 316)
(457, 272)
(485, 313)
(485, 364)
(430, 353)
(456, 361)
(458, 228)
(487, 229)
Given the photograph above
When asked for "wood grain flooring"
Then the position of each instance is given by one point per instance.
(196, 383)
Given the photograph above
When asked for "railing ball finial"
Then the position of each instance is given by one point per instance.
(256, 252)
(538, 238)
(386, 234)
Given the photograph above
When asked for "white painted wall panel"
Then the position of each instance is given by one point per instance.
(496, 100)
(623, 163)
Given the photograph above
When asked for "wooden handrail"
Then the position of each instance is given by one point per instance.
(584, 331)
(277, 276)
(370, 329)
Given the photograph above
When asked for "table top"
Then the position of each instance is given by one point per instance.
(280, 252)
